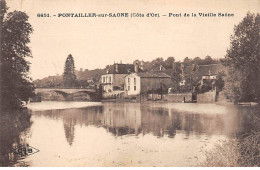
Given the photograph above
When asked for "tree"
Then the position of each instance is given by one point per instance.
(187, 61)
(169, 63)
(69, 76)
(242, 60)
(16, 85)
(208, 60)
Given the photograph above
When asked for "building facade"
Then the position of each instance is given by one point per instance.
(140, 83)
(113, 80)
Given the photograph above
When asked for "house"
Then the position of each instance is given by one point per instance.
(207, 73)
(159, 68)
(139, 83)
(113, 80)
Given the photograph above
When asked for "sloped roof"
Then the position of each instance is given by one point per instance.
(204, 70)
(122, 69)
(187, 70)
(153, 75)
(159, 68)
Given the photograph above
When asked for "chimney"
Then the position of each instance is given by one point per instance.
(117, 69)
(142, 65)
(136, 66)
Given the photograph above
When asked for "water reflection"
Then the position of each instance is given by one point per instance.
(133, 119)
(14, 129)
(123, 134)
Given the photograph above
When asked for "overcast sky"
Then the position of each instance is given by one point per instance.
(97, 42)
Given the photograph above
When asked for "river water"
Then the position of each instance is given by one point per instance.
(129, 134)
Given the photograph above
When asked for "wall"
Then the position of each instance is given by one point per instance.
(107, 87)
(108, 78)
(179, 98)
(107, 82)
(113, 95)
(154, 84)
(119, 79)
(132, 91)
(208, 97)
(112, 80)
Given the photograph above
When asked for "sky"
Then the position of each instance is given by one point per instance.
(97, 42)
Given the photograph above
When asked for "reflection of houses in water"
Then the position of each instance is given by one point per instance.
(156, 120)
(135, 118)
(122, 119)
(161, 121)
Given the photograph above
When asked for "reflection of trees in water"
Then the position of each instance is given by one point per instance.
(69, 127)
(134, 118)
(14, 127)
(72, 117)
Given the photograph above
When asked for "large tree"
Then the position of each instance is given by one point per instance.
(16, 85)
(69, 76)
(243, 61)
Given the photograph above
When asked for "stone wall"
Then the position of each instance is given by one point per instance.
(179, 98)
(113, 95)
(148, 84)
(207, 97)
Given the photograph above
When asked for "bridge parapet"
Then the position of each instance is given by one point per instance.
(68, 91)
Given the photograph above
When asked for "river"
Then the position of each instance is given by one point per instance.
(128, 134)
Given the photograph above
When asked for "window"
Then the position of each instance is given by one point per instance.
(135, 88)
(128, 88)
(107, 79)
(110, 79)
(135, 81)
(104, 79)
(128, 80)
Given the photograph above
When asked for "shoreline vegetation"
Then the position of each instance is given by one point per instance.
(242, 150)
(237, 152)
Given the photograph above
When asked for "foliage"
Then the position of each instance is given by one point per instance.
(242, 82)
(241, 152)
(198, 61)
(220, 83)
(14, 128)
(16, 85)
(69, 76)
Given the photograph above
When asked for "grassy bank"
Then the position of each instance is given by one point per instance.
(241, 152)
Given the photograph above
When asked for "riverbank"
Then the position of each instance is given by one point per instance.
(52, 105)
(243, 151)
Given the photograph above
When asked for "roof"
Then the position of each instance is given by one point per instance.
(159, 68)
(153, 75)
(122, 69)
(187, 70)
(205, 70)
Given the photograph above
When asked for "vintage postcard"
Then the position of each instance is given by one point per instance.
(140, 83)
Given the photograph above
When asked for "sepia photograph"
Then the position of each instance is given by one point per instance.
(140, 83)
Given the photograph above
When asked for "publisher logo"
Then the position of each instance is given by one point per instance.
(25, 150)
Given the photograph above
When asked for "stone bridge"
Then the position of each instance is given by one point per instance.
(68, 91)
(67, 94)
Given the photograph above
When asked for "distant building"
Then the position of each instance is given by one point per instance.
(138, 83)
(159, 68)
(207, 73)
(193, 75)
